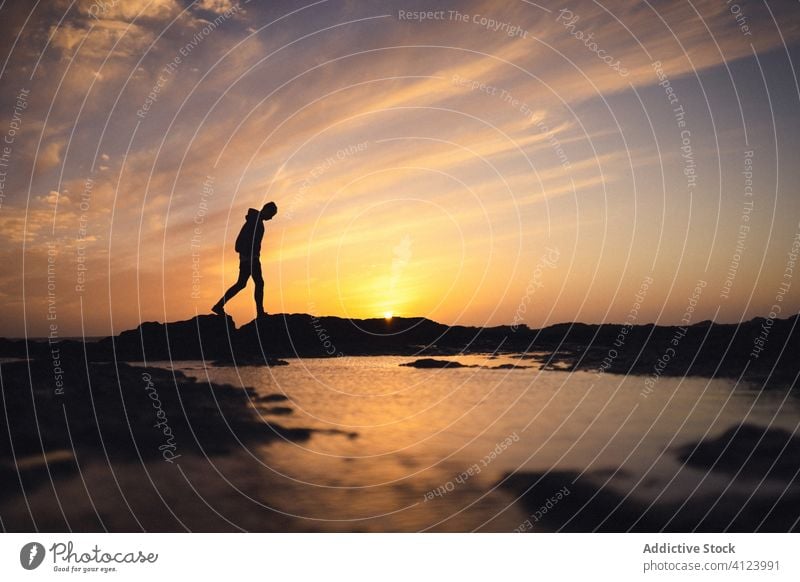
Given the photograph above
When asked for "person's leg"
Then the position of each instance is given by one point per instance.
(258, 279)
(241, 283)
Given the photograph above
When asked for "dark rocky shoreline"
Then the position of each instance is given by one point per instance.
(125, 418)
(762, 350)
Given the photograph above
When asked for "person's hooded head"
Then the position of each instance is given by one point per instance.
(269, 210)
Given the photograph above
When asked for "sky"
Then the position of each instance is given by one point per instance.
(476, 163)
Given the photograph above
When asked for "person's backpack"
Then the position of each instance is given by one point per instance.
(244, 242)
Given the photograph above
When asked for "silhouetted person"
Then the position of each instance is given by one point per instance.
(248, 245)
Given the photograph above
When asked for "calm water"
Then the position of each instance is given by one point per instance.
(419, 430)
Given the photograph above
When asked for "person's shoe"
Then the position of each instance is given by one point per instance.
(218, 309)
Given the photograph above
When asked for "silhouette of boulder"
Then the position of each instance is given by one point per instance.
(205, 337)
(751, 451)
(432, 363)
(279, 410)
(273, 398)
(506, 367)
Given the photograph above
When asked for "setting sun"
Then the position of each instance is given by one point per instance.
(387, 314)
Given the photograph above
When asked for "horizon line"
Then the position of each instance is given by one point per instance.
(519, 325)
